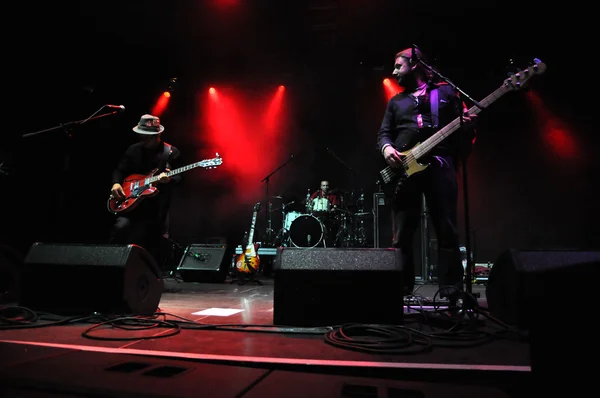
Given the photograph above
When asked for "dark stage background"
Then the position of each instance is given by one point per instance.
(531, 176)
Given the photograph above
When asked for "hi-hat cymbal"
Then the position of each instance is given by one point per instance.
(276, 197)
(363, 214)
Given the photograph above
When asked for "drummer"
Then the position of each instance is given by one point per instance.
(323, 200)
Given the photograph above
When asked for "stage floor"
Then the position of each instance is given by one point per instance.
(231, 324)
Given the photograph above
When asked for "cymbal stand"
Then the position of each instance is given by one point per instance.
(267, 241)
(344, 236)
(284, 234)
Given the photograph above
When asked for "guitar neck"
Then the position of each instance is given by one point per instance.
(454, 125)
(177, 171)
(252, 226)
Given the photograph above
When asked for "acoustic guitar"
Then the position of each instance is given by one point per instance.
(137, 187)
(393, 178)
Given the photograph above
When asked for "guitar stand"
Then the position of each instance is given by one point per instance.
(242, 278)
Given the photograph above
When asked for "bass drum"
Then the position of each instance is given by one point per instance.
(306, 231)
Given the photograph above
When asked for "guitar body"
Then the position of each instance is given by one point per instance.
(393, 178)
(248, 261)
(136, 190)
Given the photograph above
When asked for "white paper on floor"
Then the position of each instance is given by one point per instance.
(217, 311)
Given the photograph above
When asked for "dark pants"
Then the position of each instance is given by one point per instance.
(143, 231)
(439, 185)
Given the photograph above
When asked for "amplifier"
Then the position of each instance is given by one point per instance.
(203, 263)
(383, 234)
(382, 225)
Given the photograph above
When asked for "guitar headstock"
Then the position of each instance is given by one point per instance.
(212, 163)
(257, 207)
(518, 80)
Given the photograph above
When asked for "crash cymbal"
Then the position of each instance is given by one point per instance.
(276, 197)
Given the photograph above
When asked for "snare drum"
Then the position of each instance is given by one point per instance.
(306, 231)
(320, 206)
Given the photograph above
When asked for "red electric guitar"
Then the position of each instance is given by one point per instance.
(137, 187)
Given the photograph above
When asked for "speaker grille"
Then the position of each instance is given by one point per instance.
(78, 254)
(350, 259)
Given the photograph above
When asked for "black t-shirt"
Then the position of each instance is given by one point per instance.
(408, 120)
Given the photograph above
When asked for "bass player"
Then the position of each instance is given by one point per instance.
(409, 119)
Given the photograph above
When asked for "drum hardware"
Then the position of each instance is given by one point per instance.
(360, 235)
(344, 236)
(287, 218)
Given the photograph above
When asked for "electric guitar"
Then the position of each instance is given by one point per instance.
(137, 187)
(249, 261)
(393, 178)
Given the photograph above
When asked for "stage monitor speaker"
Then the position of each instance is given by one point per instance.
(330, 286)
(72, 279)
(521, 283)
(203, 263)
(549, 295)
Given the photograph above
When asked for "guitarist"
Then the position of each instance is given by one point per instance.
(409, 119)
(148, 222)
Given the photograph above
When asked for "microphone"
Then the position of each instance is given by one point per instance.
(414, 57)
(120, 107)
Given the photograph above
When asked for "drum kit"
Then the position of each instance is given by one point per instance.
(316, 222)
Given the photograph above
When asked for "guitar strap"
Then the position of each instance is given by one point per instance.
(434, 103)
(164, 160)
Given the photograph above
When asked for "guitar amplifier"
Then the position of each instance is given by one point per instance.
(383, 234)
(203, 263)
(382, 225)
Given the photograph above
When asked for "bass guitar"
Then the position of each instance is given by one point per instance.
(249, 261)
(137, 187)
(393, 178)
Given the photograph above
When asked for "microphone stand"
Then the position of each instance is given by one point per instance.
(345, 164)
(470, 266)
(68, 128)
(69, 125)
(269, 234)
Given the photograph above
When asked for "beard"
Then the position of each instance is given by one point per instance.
(408, 80)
